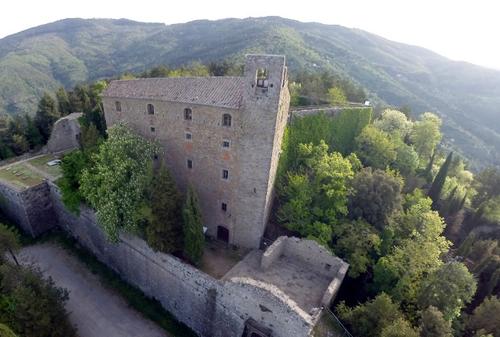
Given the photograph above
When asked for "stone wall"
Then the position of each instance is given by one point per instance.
(317, 257)
(273, 252)
(30, 208)
(65, 134)
(210, 307)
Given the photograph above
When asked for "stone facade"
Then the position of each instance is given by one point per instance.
(65, 134)
(201, 150)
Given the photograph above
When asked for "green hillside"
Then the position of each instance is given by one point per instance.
(71, 51)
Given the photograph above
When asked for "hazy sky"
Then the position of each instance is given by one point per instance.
(458, 29)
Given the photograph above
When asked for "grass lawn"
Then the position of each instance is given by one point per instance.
(20, 176)
(41, 164)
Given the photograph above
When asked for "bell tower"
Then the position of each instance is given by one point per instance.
(264, 114)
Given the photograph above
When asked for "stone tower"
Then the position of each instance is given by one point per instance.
(264, 115)
(222, 135)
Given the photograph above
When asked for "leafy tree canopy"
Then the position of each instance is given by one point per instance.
(116, 184)
(375, 148)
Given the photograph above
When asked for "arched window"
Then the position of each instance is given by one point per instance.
(226, 120)
(188, 114)
(151, 109)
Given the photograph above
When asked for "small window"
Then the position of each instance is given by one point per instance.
(152, 129)
(189, 136)
(151, 109)
(262, 78)
(225, 174)
(189, 164)
(226, 143)
(224, 207)
(226, 120)
(155, 156)
(118, 106)
(188, 114)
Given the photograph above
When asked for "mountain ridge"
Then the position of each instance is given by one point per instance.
(72, 51)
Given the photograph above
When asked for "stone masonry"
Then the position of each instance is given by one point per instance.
(222, 135)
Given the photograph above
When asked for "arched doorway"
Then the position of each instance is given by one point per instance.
(223, 234)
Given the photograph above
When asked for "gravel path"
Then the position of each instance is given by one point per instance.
(95, 310)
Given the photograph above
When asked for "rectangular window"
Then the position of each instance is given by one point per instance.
(189, 164)
(189, 136)
(118, 106)
(225, 174)
(153, 129)
(226, 143)
(224, 207)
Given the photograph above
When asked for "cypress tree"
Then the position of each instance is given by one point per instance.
(438, 183)
(63, 103)
(46, 115)
(428, 170)
(164, 233)
(193, 228)
(32, 133)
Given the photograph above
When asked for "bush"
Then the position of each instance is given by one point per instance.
(31, 305)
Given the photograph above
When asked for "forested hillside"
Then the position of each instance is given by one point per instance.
(73, 51)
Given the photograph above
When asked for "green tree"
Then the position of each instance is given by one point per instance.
(116, 184)
(399, 328)
(358, 243)
(32, 133)
(72, 166)
(406, 159)
(164, 232)
(336, 96)
(46, 115)
(194, 238)
(414, 252)
(449, 289)
(433, 324)
(63, 103)
(19, 144)
(486, 318)
(317, 195)
(487, 185)
(426, 134)
(90, 137)
(370, 318)
(394, 123)
(375, 148)
(31, 305)
(439, 180)
(9, 242)
(376, 196)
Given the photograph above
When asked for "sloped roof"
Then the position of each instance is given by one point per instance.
(216, 91)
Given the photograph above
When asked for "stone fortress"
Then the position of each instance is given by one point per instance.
(223, 136)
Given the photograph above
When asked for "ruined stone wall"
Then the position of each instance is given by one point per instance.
(30, 208)
(317, 257)
(273, 252)
(244, 298)
(65, 134)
